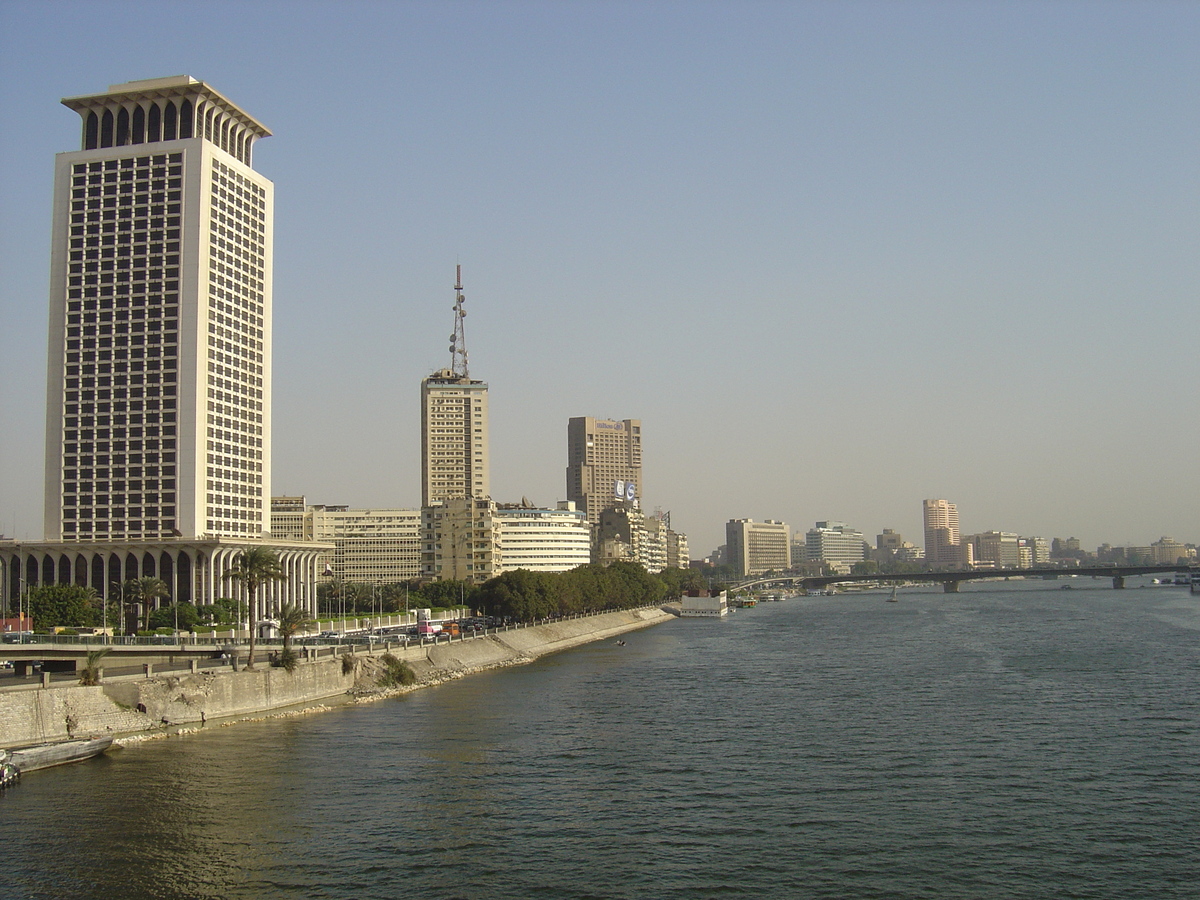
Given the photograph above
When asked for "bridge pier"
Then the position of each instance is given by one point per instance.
(951, 587)
(1118, 582)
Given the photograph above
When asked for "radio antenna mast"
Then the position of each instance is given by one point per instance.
(458, 340)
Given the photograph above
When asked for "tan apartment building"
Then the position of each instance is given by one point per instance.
(753, 547)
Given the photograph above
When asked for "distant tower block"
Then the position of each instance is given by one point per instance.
(604, 456)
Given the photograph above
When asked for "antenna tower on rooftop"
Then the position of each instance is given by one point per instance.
(458, 340)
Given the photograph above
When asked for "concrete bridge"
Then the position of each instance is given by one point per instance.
(951, 581)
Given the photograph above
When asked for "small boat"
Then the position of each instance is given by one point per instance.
(892, 598)
(43, 756)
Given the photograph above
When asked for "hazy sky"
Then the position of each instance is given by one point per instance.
(837, 257)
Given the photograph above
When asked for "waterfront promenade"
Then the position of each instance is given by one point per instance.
(139, 702)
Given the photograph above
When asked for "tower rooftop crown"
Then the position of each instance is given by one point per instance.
(174, 87)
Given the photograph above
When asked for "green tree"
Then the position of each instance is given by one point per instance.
(444, 594)
(226, 611)
(676, 581)
(518, 593)
(52, 605)
(254, 567)
(865, 567)
(145, 591)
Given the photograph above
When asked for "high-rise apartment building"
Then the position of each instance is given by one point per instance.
(158, 432)
(454, 425)
(942, 540)
(753, 547)
(604, 464)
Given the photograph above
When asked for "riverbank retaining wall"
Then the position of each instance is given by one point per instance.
(137, 705)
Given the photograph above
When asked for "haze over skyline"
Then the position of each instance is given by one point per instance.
(838, 258)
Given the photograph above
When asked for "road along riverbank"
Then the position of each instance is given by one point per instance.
(141, 706)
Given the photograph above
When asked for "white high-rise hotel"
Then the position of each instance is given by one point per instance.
(159, 395)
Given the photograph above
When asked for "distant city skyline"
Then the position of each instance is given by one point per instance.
(837, 258)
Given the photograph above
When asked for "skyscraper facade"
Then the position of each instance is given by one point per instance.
(942, 540)
(604, 464)
(158, 424)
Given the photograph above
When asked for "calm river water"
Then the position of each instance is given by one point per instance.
(1015, 740)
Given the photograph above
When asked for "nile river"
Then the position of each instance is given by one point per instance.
(1014, 740)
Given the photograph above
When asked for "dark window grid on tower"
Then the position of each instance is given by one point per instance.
(116, 336)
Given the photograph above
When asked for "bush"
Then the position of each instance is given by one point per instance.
(164, 617)
(349, 663)
(288, 659)
(396, 672)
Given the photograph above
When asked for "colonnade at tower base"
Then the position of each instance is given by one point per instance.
(195, 571)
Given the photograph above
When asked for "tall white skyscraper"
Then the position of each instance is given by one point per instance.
(159, 418)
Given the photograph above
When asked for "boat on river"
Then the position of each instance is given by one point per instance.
(43, 756)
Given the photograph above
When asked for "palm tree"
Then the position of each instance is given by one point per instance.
(292, 618)
(90, 674)
(146, 590)
(254, 567)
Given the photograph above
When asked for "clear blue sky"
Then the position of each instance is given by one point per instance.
(837, 257)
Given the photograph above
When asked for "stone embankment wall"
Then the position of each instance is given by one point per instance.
(130, 706)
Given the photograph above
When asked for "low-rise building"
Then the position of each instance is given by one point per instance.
(370, 546)
(995, 549)
(459, 540)
(704, 604)
(542, 540)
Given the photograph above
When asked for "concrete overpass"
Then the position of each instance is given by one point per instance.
(951, 581)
